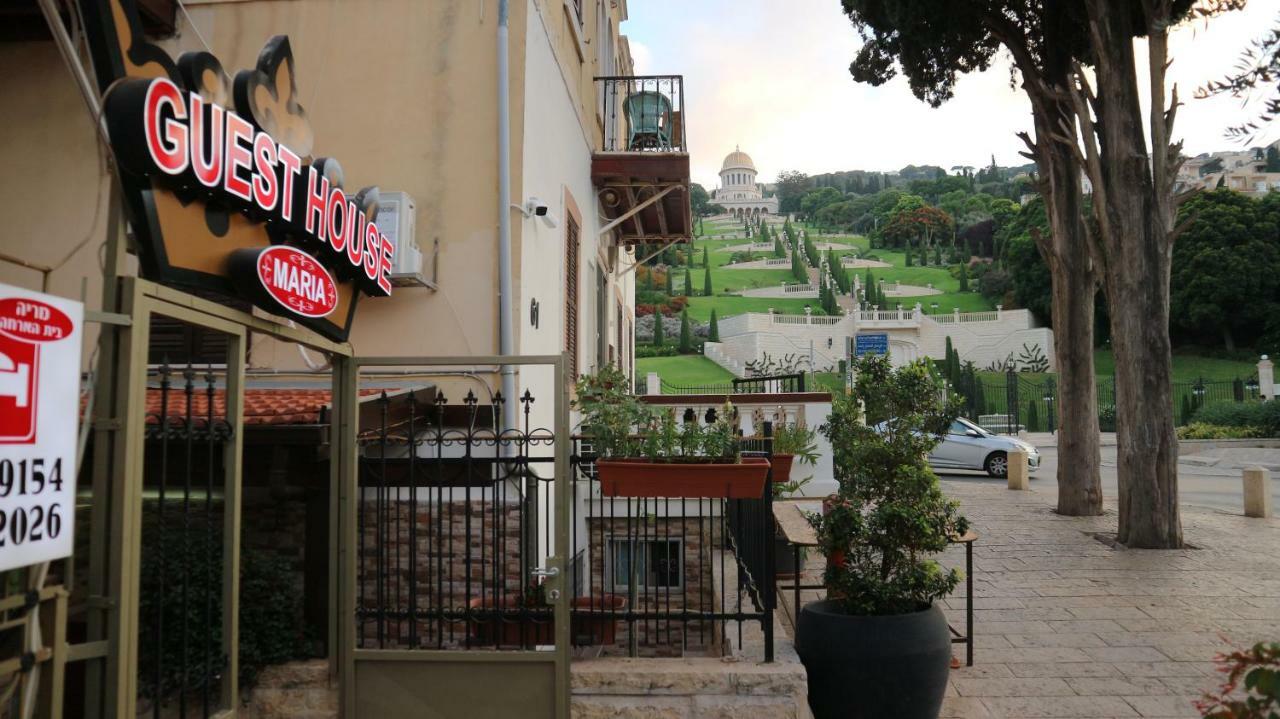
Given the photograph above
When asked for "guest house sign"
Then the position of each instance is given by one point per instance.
(219, 182)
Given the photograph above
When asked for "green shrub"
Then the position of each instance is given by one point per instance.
(1265, 416)
(647, 350)
(890, 515)
(1200, 430)
(271, 630)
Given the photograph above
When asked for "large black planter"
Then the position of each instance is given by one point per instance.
(874, 667)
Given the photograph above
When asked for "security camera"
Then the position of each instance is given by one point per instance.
(536, 207)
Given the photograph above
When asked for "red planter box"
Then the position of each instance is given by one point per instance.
(641, 478)
(782, 467)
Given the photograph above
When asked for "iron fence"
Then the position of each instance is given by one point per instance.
(455, 519)
(769, 384)
(181, 660)
(1016, 401)
(642, 113)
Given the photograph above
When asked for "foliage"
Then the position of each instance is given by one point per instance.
(964, 276)
(1225, 274)
(1265, 416)
(686, 334)
(699, 200)
(1251, 689)
(656, 351)
(271, 631)
(1201, 430)
(657, 329)
(791, 187)
(1028, 272)
(797, 439)
(713, 331)
(889, 514)
(1258, 64)
(994, 284)
(610, 412)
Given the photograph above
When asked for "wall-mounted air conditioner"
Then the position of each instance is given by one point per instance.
(396, 216)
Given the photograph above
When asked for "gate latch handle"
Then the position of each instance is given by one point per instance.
(547, 573)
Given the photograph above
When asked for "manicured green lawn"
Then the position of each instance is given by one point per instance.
(1186, 368)
(684, 370)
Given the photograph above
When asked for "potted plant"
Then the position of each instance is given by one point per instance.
(792, 441)
(879, 645)
(643, 453)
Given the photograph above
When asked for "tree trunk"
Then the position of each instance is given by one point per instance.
(1074, 288)
(1134, 209)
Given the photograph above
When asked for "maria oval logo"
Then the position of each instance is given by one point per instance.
(297, 281)
(28, 320)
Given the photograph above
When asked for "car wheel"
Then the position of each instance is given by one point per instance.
(997, 464)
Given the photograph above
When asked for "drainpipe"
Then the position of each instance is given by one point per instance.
(506, 318)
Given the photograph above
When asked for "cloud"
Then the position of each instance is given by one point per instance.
(773, 77)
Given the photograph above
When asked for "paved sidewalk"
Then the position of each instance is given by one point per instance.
(1067, 626)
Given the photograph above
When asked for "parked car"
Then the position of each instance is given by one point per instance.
(968, 446)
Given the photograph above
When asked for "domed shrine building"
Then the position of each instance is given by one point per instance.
(738, 192)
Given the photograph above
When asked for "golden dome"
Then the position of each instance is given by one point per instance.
(737, 159)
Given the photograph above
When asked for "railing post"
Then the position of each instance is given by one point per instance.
(955, 314)
(770, 579)
(1266, 379)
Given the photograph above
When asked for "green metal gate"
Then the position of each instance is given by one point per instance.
(455, 528)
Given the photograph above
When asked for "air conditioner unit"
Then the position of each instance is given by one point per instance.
(396, 220)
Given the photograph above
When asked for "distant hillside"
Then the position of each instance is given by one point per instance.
(869, 182)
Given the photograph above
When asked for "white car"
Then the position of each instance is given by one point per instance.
(968, 446)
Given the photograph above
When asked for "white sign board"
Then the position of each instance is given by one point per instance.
(40, 340)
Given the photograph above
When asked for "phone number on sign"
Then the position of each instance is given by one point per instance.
(21, 479)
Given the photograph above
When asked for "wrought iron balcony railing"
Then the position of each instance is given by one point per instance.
(642, 113)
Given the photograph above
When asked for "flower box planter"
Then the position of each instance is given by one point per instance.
(511, 629)
(782, 467)
(642, 478)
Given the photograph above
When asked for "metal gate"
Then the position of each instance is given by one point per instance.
(455, 527)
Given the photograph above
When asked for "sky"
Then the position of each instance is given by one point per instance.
(772, 76)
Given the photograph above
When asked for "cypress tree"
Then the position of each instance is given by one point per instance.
(706, 258)
(669, 287)
(950, 377)
(964, 276)
(778, 249)
(686, 333)
(706, 281)
(657, 328)
(649, 278)
(688, 282)
(910, 253)
(713, 332)
(937, 254)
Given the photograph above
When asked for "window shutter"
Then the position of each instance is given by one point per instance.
(571, 296)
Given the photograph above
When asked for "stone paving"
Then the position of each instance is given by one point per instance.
(1067, 626)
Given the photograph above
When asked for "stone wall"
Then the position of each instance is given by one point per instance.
(657, 637)
(297, 690)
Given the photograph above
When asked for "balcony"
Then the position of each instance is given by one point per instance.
(641, 172)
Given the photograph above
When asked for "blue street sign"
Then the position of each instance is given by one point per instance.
(870, 344)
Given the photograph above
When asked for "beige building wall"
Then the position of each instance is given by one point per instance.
(403, 94)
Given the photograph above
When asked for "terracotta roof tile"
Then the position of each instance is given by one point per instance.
(261, 406)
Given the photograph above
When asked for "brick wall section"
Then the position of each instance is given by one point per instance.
(662, 637)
